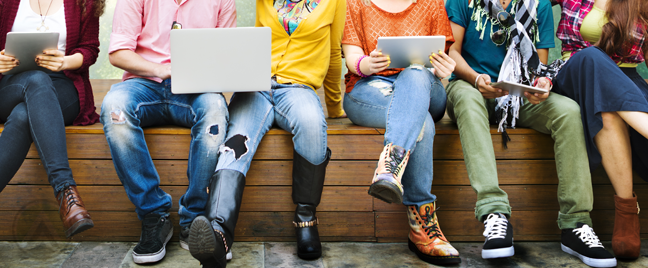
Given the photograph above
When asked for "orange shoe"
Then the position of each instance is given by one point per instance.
(386, 184)
(426, 238)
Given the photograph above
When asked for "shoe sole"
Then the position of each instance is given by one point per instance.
(153, 257)
(386, 191)
(434, 260)
(590, 261)
(498, 253)
(204, 243)
(79, 227)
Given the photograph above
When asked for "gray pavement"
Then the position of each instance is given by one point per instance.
(282, 254)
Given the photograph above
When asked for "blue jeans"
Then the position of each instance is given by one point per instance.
(136, 103)
(293, 107)
(36, 106)
(407, 104)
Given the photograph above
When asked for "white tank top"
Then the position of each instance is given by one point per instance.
(29, 21)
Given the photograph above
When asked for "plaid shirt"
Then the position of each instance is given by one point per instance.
(573, 13)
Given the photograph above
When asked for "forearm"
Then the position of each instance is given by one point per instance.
(134, 63)
(72, 62)
(462, 69)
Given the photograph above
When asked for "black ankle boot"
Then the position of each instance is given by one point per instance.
(211, 237)
(308, 182)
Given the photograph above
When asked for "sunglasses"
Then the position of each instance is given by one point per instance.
(505, 20)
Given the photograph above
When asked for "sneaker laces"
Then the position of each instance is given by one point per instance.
(392, 164)
(587, 235)
(495, 226)
(430, 225)
(149, 234)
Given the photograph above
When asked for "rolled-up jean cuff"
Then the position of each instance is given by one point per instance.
(65, 185)
(569, 221)
(492, 205)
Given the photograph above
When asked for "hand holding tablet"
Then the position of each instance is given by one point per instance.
(24, 47)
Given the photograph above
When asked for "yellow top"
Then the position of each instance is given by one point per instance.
(312, 54)
(591, 30)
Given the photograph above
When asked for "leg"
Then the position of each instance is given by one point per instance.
(210, 237)
(15, 141)
(129, 106)
(45, 122)
(471, 112)
(469, 109)
(560, 117)
(298, 110)
(206, 115)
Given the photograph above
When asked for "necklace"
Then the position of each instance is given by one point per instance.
(43, 27)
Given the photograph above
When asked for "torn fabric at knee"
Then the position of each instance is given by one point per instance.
(117, 116)
(237, 145)
(384, 87)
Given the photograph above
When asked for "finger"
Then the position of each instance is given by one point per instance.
(49, 58)
(49, 65)
(53, 52)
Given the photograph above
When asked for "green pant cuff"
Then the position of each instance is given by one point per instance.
(569, 221)
(492, 205)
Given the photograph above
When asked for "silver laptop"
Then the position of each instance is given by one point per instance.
(220, 60)
(26, 46)
(405, 50)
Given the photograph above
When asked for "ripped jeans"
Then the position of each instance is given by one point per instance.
(136, 103)
(407, 104)
(293, 107)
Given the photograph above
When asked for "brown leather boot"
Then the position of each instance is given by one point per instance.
(72, 211)
(626, 242)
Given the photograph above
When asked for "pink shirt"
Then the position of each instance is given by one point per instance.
(144, 26)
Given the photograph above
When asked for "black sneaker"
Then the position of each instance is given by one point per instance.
(184, 238)
(206, 244)
(156, 232)
(583, 243)
(499, 237)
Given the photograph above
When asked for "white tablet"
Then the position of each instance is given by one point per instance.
(26, 46)
(406, 50)
(518, 89)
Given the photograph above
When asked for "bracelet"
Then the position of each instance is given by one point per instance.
(358, 67)
(477, 79)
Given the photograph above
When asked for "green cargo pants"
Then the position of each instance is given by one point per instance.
(558, 116)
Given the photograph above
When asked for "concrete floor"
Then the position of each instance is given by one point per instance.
(270, 254)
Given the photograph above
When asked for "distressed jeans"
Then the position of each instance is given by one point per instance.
(136, 103)
(36, 106)
(558, 116)
(293, 107)
(406, 105)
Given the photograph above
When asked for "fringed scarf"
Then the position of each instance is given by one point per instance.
(521, 60)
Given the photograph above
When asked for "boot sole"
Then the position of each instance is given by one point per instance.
(205, 244)
(79, 227)
(386, 191)
(590, 261)
(309, 256)
(434, 260)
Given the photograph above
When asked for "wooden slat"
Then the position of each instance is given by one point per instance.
(124, 226)
(114, 198)
(521, 197)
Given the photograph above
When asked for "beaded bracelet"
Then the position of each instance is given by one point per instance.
(358, 67)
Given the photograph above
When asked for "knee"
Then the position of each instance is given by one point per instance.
(611, 120)
(36, 77)
(211, 107)
(116, 108)
(19, 117)
(309, 125)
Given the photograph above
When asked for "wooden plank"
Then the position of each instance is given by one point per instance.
(174, 172)
(114, 198)
(521, 197)
(457, 224)
(124, 226)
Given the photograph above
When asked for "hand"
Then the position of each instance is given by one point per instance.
(7, 62)
(163, 71)
(378, 62)
(51, 59)
(443, 64)
(489, 92)
(537, 98)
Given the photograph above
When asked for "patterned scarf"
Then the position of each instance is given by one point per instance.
(521, 58)
(292, 12)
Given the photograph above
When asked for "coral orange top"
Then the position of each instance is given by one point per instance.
(364, 24)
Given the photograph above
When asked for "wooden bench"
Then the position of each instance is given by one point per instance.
(28, 209)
